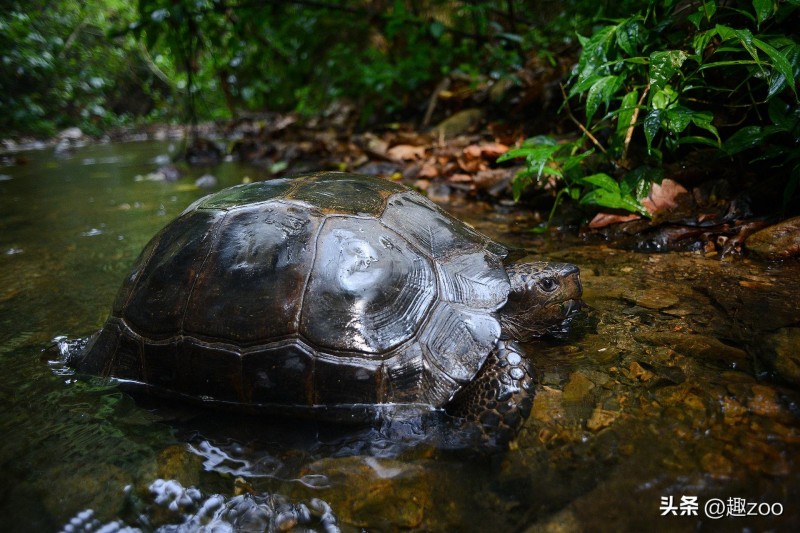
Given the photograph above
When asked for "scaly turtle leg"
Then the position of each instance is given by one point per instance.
(500, 397)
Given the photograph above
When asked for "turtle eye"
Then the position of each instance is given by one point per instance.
(548, 284)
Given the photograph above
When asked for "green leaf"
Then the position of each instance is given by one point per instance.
(547, 140)
(695, 139)
(783, 115)
(705, 11)
(664, 98)
(746, 38)
(724, 32)
(747, 137)
(779, 61)
(602, 181)
(763, 9)
(537, 156)
(628, 35)
(664, 65)
(704, 119)
(437, 29)
(594, 54)
(700, 42)
(652, 122)
(626, 110)
(676, 118)
(637, 182)
(572, 163)
(583, 85)
(779, 82)
(518, 185)
(613, 200)
(601, 92)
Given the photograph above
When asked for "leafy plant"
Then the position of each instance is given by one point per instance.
(228, 56)
(58, 67)
(545, 157)
(675, 78)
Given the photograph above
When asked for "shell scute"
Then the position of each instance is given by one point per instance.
(459, 339)
(245, 194)
(161, 289)
(280, 374)
(250, 288)
(369, 289)
(343, 193)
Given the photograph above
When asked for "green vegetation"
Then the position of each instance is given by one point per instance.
(653, 81)
(102, 62)
(714, 75)
(58, 67)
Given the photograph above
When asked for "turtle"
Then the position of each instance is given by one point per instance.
(335, 296)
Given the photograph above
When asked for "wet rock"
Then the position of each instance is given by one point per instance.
(601, 418)
(548, 405)
(733, 412)
(563, 521)
(717, 465)
(206, 181)
(171, 173)
(70, 134)
(697, 346)
(764, 401)
(780, 241)
(578, 387)
(637, 371)
(786, 343)
(459, 123)
(371, 492)
(759, 455)
(654, 298)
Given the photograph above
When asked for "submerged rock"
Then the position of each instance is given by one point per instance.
(697, 346)
(177, 462)
(367, 487)
(786, 343)
(62, 500)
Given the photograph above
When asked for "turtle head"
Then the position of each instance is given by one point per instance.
(543, 299)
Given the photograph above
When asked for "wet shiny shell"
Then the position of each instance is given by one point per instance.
(328, 289)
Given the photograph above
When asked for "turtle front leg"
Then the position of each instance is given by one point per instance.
(500, 397)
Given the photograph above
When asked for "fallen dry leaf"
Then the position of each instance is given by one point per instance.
(460, 178)
(428, 171)
(485, 151)
(663, 197)
(602, 220)
(406, 152)
(472, 165)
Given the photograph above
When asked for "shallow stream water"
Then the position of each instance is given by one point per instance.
(675, 392)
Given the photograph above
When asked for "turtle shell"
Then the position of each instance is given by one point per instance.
(329, 289)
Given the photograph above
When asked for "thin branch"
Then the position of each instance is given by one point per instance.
(634, 118)
(72, 37)
(151, 65)
(578, 122)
